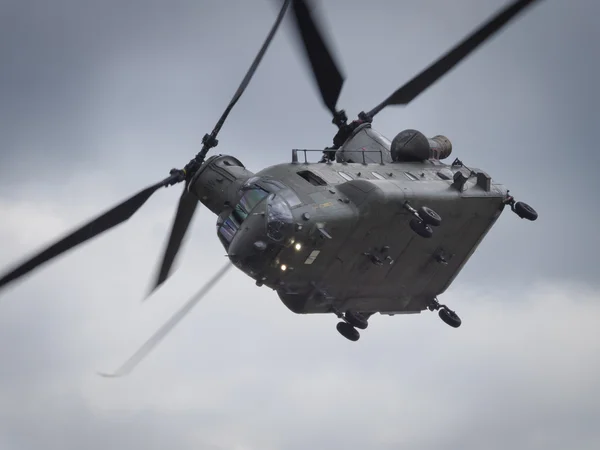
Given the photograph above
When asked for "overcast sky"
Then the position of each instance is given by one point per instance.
(100, 98)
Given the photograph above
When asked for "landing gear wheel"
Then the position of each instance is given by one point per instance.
(348, 331)
(421, 228)
(429, 216)
(524, 211)
(450, 317)
(356, 320)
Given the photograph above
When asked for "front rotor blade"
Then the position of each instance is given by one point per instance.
(252, 69)
(183, 217)
(187, 202)
(162, 332)
(443, 65)
(106, 221)
(326, 72)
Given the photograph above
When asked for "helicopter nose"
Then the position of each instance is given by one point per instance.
(261, 236)
(250, 243)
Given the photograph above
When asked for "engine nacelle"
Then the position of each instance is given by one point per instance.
(218, 182)
(412, 145)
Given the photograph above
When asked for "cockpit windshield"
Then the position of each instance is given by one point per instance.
(250, 199)
(279, 216)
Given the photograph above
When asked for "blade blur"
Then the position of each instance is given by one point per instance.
(163, 331)
(187, 203)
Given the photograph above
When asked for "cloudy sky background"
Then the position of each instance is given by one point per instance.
(99, 99)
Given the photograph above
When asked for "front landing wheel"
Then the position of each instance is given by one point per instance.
(450, 317)
(348, 331)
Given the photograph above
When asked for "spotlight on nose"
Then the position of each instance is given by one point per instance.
(298, 246)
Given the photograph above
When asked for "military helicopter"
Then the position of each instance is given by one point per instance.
(373, 226)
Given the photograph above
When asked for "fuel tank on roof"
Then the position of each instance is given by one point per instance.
(412, 145)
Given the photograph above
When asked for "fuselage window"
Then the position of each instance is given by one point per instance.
(378, 175)
(312, 178)
(346, 176)
(445, 174)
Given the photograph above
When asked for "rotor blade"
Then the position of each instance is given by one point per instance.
(106, 221)
(252, 69)
(162, 332)
(435, 71)
(183, 217)
(325, 70)
(187, 202)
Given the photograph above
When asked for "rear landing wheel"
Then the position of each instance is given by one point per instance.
(429, 216)
(348, 331)
(356, 320)
(450, 317)
(524, 211)
(421, 228)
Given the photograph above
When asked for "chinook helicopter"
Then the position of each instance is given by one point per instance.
(373, 226)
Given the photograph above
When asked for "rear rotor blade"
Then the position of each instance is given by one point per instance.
(162, 332)
(325, 70)
(106, 221)
(434, 72)
(187, 202)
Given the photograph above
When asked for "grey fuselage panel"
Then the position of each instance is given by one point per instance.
(357, 249)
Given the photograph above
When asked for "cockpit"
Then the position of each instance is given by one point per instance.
(264, 197)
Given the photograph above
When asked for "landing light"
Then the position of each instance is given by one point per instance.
(298, 246)
(283, 267)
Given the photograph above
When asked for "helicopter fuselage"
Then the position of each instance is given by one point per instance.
(335, 236)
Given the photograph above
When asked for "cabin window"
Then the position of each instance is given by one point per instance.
(410, 176)
(312, 178)
(378, 175)
(346, 176)
(445, 174)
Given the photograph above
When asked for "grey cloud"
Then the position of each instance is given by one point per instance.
(243, 371)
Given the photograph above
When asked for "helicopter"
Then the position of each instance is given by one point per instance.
(373, 226)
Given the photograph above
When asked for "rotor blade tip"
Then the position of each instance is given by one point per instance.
(108, 375)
